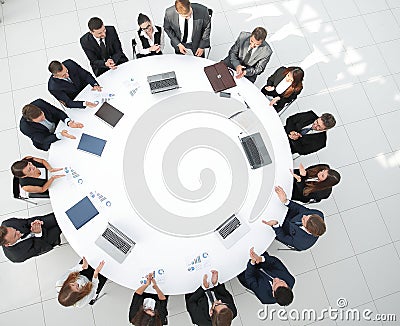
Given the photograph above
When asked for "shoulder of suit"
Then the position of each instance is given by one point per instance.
(198, 6)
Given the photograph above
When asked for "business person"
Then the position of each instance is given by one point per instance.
(284, 85)
(188, 25)
(24, 238)
(33, 174)
(250, 54)
(302, 226)
(81, 285)
(211, 304)
(102, 47)
(39, 121)
(307, 132)
(314, 183)
(67, 80)
(149, 38)
(268, 278)
(148, 308)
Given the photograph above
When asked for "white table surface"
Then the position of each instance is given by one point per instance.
(173, 169)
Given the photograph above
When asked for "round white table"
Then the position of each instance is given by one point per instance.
(173, 170)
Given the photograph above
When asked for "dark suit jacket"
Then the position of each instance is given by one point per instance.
(201, 26)
(309, 143)
(137, 302)
(254, 279)
(197, 304)
(39, 134)
(93, 51)
(238, 51)
(65, 91)
(298, 188)
(30, 247)
(274, 80)
(290, 233)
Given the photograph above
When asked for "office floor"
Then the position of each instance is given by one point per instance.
(349, 49)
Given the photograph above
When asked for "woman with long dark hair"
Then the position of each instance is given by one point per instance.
(81, 285)
(33, 174)
(148, 309)
(314, 183)
(283, 86)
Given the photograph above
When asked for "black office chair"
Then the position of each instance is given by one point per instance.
(17, 193)
(286, 107)
(134, 48)
(210, 13)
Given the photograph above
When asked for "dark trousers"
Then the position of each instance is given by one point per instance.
(88, 272)
(53, 231)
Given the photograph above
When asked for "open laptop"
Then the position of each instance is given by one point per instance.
(231, 231)
(162, 82)
(115, 243)
(82, 212)
(255, 150)
(109, 114)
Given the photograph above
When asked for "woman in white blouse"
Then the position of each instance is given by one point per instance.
(284, 86)
(149, 38)
(81, 285)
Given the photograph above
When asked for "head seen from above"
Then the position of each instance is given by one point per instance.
(96, 27)
(220, 314)
(58, 70)
(23, 168)
(257, 37)
(324, 122)
(145, 24)
(9, 236)
(281, 292)
(314, 224)
(32, 113)
(71, 292)
(183, 8)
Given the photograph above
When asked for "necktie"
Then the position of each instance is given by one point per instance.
(304, 131)
(68, 80)
(211, 296)
(270, 278)
(247, 57)
(104, 53)
(298, 223)
(185, 31)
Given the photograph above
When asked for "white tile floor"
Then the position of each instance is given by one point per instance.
(350, 51)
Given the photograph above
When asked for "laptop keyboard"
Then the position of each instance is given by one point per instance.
(229, 228)
(253, 152)
(116, 241)
(159, 84)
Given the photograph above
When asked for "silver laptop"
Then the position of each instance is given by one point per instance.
(162, 82)
(231, 231)
(115, 243)
(255, 150)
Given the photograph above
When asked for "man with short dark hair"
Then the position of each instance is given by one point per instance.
(307, 132)
(39, 121)
(68, 79)
(102, 47)
(211, 304)
(250, 54)
(268, 278)
(24, 238)
(302, 226)
(188, 26)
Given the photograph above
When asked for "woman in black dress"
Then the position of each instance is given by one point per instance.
(33, 174)
(148, 308)
(284, 86)
(314, 183)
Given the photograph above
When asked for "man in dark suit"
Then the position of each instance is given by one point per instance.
(211, 304)
(24, 238)
(268, 278)
(68, 79)
(302, 226)
(307, 131)
(250, 54)
(102, 47)
(188, 26)
(39, 121)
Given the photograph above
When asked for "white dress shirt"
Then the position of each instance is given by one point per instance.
(190, 27)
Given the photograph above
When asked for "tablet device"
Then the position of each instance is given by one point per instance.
(91, 144)
(82, 212)
(109, 114)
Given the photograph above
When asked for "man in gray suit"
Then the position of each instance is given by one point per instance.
(188, 26)
(250, 54)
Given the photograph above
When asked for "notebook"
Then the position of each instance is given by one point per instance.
(109, 114)
(92, 144)
(219, 77)
(82, 212)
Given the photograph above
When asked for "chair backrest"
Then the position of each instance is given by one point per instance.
(210, 12)
(16, 189)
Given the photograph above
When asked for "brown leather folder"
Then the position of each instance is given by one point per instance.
(219, 76)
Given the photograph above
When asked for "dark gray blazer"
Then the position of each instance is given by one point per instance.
(201, 26)
(258, 60)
